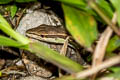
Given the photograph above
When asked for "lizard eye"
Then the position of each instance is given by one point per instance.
(42, 35)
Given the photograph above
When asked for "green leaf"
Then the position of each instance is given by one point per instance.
(54, 57)
(75, 3)
(114, 69)
(4, 22)
(116, 73)
(116, 4)
(81, 25)
(5, 1)
(106, 8)
(4, 41)
(0, 73)
(5, 27)
(70, 77)
(110, 54)
(13, 10)
(83, 5)
(113, 44)
(80, 4)
(22, 1)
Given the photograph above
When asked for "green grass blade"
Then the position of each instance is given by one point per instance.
(5, 27)
(113, 44)
(4, 41)
(55, 58)
(13, 10)
(5, 1)
(23, 1)
(116, 4)
(106, 8)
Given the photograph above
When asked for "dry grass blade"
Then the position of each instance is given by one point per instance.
(99, 52)
(88, 72)
(64, 48)
(63, 52)
(105, 64)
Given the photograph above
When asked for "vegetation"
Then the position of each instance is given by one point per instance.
(82, 19)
